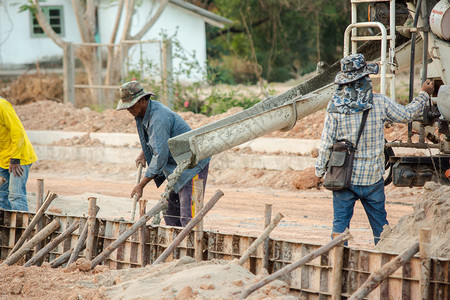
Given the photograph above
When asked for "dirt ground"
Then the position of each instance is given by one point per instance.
(307, 213)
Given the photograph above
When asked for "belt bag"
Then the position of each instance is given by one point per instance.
(340, 166)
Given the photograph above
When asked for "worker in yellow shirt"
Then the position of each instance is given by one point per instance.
(16, 156)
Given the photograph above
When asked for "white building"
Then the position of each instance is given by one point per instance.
(23, 43)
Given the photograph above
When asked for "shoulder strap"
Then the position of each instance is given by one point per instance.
(361, 127)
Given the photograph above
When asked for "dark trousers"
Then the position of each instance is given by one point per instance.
(181, 209)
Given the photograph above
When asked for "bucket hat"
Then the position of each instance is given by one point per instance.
(130, 93)
(354, 67)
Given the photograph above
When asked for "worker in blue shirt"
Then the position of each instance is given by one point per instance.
(156, 124)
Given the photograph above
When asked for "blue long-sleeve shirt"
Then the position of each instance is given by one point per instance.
(157, 126)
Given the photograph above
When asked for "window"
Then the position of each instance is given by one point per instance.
(54, 16)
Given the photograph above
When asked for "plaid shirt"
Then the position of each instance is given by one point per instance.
(368, 166)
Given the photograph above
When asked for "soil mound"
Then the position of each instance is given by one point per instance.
(52, 115)
(305, 179)
(433, 212)
(179, 279)
(29, 88)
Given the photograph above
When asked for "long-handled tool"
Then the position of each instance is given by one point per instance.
(135, 196)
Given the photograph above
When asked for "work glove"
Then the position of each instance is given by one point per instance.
(428, 87)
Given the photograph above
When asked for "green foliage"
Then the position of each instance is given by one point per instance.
(217, 102)
(284, 39)
(26, 7)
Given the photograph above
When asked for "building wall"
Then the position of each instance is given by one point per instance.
(185, 26)
(18, 47)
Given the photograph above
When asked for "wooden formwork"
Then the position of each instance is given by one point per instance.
(313, 281)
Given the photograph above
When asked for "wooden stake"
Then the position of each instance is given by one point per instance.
(38, 237)
(81, 243)
(142, 233)
(377, 277)
(64, 257)
(61, 259)
(50, 197)
(91, 227)
(39, 202)
(267, 217)
(305, 259)
(198, 200)
(122, 238)
(336, 274)
(60, 238)
(260, 239)
(425, 262)
(189, 227)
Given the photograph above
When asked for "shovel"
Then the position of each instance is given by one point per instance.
(135, 196)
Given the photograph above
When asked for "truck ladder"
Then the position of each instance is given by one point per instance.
(352, 29)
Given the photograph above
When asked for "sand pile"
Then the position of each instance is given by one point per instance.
(432, 212)
(180, 279)
(185, 279)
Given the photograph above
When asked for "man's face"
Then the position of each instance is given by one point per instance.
(138, 110)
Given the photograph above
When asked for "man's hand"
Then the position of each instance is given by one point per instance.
(138, 190)
(428, 87)
(140, 159)
(318, 182)
(16, 169)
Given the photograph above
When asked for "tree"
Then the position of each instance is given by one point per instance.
(85, 15)
(285, 38)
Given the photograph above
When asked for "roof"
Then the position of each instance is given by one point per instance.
(209, 17)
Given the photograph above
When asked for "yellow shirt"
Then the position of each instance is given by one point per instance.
(14, 142)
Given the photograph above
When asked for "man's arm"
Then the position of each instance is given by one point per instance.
(396, 112)
(139, 188)
(158, 138)
(159, 134)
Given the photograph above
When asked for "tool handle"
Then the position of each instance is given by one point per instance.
(135, 197)
(139, 173)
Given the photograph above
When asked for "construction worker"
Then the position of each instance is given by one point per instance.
(16, 157)
(156, 124)
(344, 113)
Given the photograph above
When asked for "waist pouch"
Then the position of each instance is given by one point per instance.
(339, 172)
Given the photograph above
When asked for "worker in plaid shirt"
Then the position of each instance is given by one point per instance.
(344, 113)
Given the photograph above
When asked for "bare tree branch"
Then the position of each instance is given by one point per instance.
(46, 26)
(117, 22)
(78, 11)
(151, 22)
(235, 29)
(129, 4)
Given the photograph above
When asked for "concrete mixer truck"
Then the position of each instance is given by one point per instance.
(384, 39)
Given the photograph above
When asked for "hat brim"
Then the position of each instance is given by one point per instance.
(125, 105)
(347, 77)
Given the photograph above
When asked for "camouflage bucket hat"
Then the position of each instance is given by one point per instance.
(354, 67)
(130, 93)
